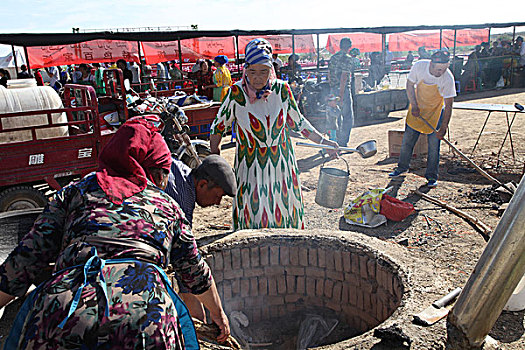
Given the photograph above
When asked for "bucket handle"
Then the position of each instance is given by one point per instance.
(347, 167)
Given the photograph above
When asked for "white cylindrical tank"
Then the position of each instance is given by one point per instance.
(517, 299)
(30, 99)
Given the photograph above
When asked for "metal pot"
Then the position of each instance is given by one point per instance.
(367, 149)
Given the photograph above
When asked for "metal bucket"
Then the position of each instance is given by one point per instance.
(331, 187)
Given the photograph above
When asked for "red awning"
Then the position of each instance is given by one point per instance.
(365, 42)
(282, 44)
(411, 41)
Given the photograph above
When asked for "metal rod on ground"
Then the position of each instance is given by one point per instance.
(483, 229)
(481, 171)
(493, 280)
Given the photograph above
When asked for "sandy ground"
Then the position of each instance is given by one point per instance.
(431, 232)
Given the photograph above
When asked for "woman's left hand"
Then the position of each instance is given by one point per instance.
(221, 320)
(334, 153)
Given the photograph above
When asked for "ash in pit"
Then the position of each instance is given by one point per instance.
(296, 330)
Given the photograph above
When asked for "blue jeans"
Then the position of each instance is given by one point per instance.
(343, 134)
(409, 141)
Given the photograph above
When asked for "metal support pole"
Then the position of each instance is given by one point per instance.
(14, 56)
(318, 58)
(440, 38)
(237, 53)
(455, 36)
(496, 275)
(488, 39)
(27, 61)
(140, 61)
(180, 54)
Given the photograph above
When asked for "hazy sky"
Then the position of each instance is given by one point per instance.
(37, 16)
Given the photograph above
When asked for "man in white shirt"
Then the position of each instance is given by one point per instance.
(521, 51)
(135, 70)
(276, 60)
(431, 91)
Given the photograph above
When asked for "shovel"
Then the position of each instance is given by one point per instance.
(437, 310)
(366, 149)
(481, 171)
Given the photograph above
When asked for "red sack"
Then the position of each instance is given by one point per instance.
(394, 209)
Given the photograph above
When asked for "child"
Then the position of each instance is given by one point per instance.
(333, 117)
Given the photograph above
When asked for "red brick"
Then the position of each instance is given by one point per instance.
(227, 290)
(285, 256)
(254, 286)
(333, 305)
(254, 272)
(352, 279)
(227, 257)
(310, 286)
(347, 264)
(360, 300)
(264, 253)
(363, 260)
(300, 284)
(367, 287)
(355, 263)
(236, 287)
(281, 284)
(282, 311)
(274, 271)
(233, 274)
(291, 308)
(328, 288)
(265, 313)
(319, 287)
(236, 304)
(263, 285)
(254, 302)
(293, 298)
(379, 310)
(303, 256)
(295, 271)
(294, 256)
(272, 286)
(219, 261)
(254, 256)
(256, 315)
(312, 257)
(236, 258)
(290, 284)
(218, 276)
(367, 305)
(338, 260)
(245, 258)
(337, 291)
(315, 302)
(321, 256)
(274, 312)
(352, 294)
(335, 275)
(315, 272)
(274, 255)
(398, 292)
(371, 266)
(330, 260)
(345, 296)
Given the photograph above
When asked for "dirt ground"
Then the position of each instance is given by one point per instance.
(431, 232)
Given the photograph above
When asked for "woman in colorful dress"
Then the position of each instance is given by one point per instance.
(110, 236)
(204, 77)
(222, 78)
(264, 111)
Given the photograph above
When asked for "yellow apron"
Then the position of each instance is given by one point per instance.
(430, 103)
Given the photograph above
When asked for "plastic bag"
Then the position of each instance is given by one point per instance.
(313, 330)
(395, 209)
(364, 210)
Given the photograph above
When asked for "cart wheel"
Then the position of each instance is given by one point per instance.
(21, 197)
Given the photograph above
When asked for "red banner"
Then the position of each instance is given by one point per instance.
(282, 44)
(411, 41)
(365, 42)
(89, 51)
(192, 49)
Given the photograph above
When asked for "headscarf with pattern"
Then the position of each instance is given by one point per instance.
(124, 162)
(258, 51)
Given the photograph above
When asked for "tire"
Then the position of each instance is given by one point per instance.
(202, 152)
(21, 197)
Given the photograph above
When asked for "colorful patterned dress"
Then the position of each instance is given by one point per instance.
(141, 313)
(268, 186)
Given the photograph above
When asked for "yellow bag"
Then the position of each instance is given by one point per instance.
(364, 210)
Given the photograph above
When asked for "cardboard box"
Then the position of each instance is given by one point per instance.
(395, 140)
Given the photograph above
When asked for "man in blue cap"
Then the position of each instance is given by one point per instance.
(431, 91)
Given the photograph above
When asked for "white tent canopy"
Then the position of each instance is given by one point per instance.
(8, 61)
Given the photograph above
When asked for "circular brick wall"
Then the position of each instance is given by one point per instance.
(269, 277)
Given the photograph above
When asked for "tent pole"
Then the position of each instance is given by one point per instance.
(488, 39)
(180, 53)
(237, 53)
(318, 57)
(27, 60)
(140, 61)
(440, 38)
(14, 56)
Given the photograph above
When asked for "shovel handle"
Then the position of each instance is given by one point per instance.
(315, 145)
(447, 298)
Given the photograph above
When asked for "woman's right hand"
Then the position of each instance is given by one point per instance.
(221, 320)
(334, 153)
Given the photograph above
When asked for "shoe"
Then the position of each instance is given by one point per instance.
(396, 173)
(432, 183)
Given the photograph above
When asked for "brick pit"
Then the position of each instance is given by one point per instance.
(279, 278)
